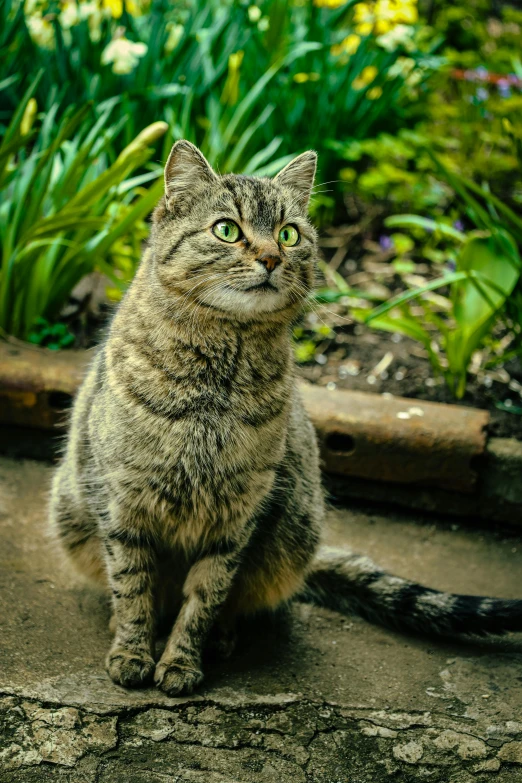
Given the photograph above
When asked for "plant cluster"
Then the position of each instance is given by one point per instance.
(307, 71)
(422, 119)
(487, 269)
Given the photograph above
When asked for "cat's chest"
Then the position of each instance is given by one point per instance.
(203, 432)
(201, 477)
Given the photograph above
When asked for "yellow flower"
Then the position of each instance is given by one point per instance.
(351, 43)
(381, 16)
(384, 9)
(366, 76)
(329, 3)
(374, 93)
(382, 26)
(115, 7)
(365, 28)
(133, 8)
(361, 12)
(408, 15)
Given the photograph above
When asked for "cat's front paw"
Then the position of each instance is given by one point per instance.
(130, 669)
(175, 679)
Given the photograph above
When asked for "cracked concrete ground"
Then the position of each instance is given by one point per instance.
(311, 698)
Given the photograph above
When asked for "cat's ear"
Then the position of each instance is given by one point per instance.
(186, 167)
(299, 174)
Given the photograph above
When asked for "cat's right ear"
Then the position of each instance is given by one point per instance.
(185, 168)
(299, 175)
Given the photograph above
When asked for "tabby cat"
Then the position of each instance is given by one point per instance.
(190, 483)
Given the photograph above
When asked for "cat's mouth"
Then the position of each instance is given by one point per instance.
(265, 286)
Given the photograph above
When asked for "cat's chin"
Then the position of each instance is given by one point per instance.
(248, 303)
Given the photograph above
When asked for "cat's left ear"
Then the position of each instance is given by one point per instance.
(299, 174)
(186, 168)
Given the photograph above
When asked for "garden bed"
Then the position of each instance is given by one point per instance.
(356, 357)
(356, 352)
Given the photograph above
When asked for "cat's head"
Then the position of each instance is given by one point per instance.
(241, 247)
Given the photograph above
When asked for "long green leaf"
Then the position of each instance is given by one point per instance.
(416, 221)
(407, 296)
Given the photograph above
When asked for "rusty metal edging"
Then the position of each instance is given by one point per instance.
(362, 435)
(397, 440)
(36, 384)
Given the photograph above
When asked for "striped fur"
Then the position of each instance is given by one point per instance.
(190, 484)
(352, 583)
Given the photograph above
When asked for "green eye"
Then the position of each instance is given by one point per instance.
(289, 236)
(226, 230)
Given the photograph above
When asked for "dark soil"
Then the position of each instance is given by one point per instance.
(352, 358)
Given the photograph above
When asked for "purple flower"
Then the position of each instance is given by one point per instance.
(451, 266)
(459, 225)
(482, 94)
(482, 73)
(386, 242)
(504, 88)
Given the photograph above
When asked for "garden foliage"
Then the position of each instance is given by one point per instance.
(412, 114)
(64, 205)
(459, 168)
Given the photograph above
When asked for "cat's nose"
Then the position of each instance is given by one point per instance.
(269, 261)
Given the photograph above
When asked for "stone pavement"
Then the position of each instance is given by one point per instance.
(309, 698)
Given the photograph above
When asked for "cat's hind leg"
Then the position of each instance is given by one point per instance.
(75, 528)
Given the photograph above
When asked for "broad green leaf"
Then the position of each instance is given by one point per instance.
(497, 261)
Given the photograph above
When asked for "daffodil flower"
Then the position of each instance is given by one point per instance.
(123, 54)
(41, 31)
(348, 45)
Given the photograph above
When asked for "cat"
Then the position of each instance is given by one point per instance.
(190, 482)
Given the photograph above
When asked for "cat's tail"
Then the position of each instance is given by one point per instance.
(350, 583)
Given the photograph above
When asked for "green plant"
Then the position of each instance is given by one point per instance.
(53, 336)
(242, 81)
(471, 117)
(488, 269)
(60, 198)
